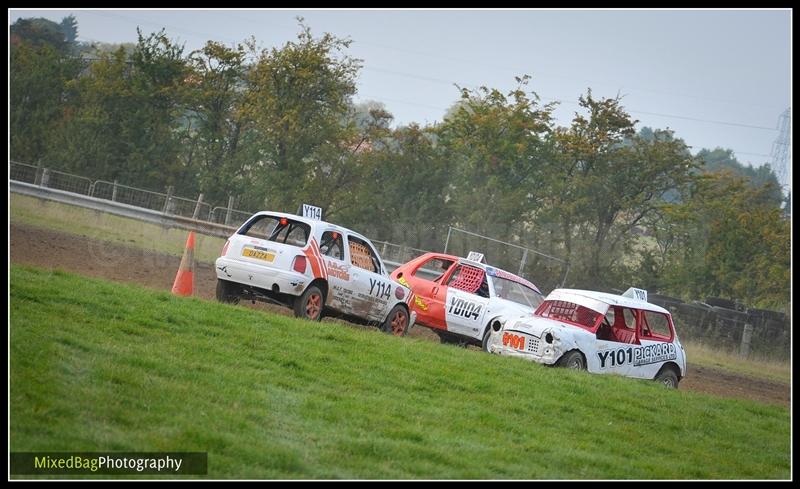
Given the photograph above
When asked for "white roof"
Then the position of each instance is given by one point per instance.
(600, 301)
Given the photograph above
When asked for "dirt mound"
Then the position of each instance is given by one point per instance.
(87, 256)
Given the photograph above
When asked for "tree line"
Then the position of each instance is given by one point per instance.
(276, 127)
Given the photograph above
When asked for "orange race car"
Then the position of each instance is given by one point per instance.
(460, 299)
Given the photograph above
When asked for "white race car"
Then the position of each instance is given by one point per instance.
(599, 332)
(313, 266)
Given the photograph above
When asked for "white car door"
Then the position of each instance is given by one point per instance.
(371, 290)
(467, 301)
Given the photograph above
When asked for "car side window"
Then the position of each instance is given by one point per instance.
(469, 279)
(655, 326)
(433, 269)
(362, 255)
(619, 324)
(332, 245)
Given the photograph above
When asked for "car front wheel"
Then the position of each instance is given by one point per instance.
(487, 336)
(573, 360)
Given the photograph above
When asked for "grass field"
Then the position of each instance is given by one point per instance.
(100, 225)
(100, 366)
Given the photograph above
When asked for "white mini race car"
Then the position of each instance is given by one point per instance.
(313, 266)
(599, 332)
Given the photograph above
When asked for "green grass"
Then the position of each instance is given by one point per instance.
(707, 356)
(99, 366)
(107, 227)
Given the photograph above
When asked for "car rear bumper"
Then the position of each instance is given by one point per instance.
(262, 276)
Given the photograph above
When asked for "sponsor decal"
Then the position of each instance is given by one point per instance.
(642, 355)
(421, 304)
(341, 272)
(266, 250)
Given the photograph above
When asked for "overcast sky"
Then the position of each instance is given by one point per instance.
(717, 78)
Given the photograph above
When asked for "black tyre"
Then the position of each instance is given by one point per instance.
(228, 292)
(574, 360)
(668, 377)
(310, 304)
(487, 335)
(396, 323)
(451, 339)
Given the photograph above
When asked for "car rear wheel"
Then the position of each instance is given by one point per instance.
(396, 323)
(310, 304)
(228, 292)
(573, 360)
(668, 377)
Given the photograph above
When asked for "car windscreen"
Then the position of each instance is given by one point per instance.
(278, 229)
(516, 292)
(570, 312)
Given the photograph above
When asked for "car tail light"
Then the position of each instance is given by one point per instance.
(225, 248)
(299, 264)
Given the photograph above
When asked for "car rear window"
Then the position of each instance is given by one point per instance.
(278, 229)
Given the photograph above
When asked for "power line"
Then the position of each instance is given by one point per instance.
(449, 82)
(472, 63)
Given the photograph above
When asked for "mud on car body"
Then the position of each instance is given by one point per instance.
(599, 332)
(460, 298)
(313, 266)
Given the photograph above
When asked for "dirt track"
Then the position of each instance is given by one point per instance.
(79, 254)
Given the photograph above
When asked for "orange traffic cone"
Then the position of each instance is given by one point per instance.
(184, 280)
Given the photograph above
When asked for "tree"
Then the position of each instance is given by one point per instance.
(122, 117)
(404, 176)
(39, 32)
(733, 243)
(299, 102)
(496, 144)
(219, 140)
(605, 181)
(69, 28)
(39, 72)
(724, 159)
